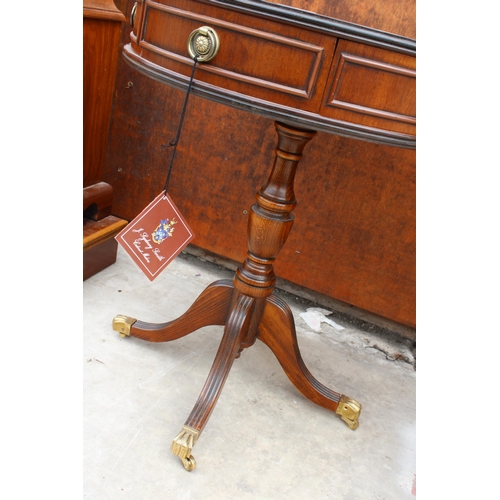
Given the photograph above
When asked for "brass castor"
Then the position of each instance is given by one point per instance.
(122, 324)
(189, 463)
(349, 410)
(183, 444)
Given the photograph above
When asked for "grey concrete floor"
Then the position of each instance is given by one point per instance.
(264, 440)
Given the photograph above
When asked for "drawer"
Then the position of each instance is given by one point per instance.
(258, 58)
(373, 87)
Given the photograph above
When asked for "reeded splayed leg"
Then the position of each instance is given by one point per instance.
(277, 331)
(210, 308)
(236, 328)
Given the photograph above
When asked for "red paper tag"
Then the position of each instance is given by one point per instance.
(156, 236)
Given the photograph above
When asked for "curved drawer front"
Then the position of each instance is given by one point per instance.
(257, 58)
(372, 87)
(282, 69)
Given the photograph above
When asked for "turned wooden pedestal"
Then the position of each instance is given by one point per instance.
(246, 307)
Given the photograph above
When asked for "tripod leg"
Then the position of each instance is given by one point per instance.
(210, 308)
(236, 327)
(277, 331)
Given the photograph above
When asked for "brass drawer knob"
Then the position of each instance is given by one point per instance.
(203, 43)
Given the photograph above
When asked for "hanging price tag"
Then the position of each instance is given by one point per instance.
(156, 236)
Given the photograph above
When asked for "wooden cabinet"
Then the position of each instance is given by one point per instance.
(102, 23)
(354, 235)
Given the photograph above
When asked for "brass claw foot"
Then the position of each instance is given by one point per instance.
(122, 324)
(349, 410)
(182, 446)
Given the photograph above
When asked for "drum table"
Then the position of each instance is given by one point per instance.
(308, 72)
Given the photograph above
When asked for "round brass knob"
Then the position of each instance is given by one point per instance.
(203, 43)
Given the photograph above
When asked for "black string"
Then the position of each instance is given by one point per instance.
(176, 140)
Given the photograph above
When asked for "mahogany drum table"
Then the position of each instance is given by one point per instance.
(308, 72)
